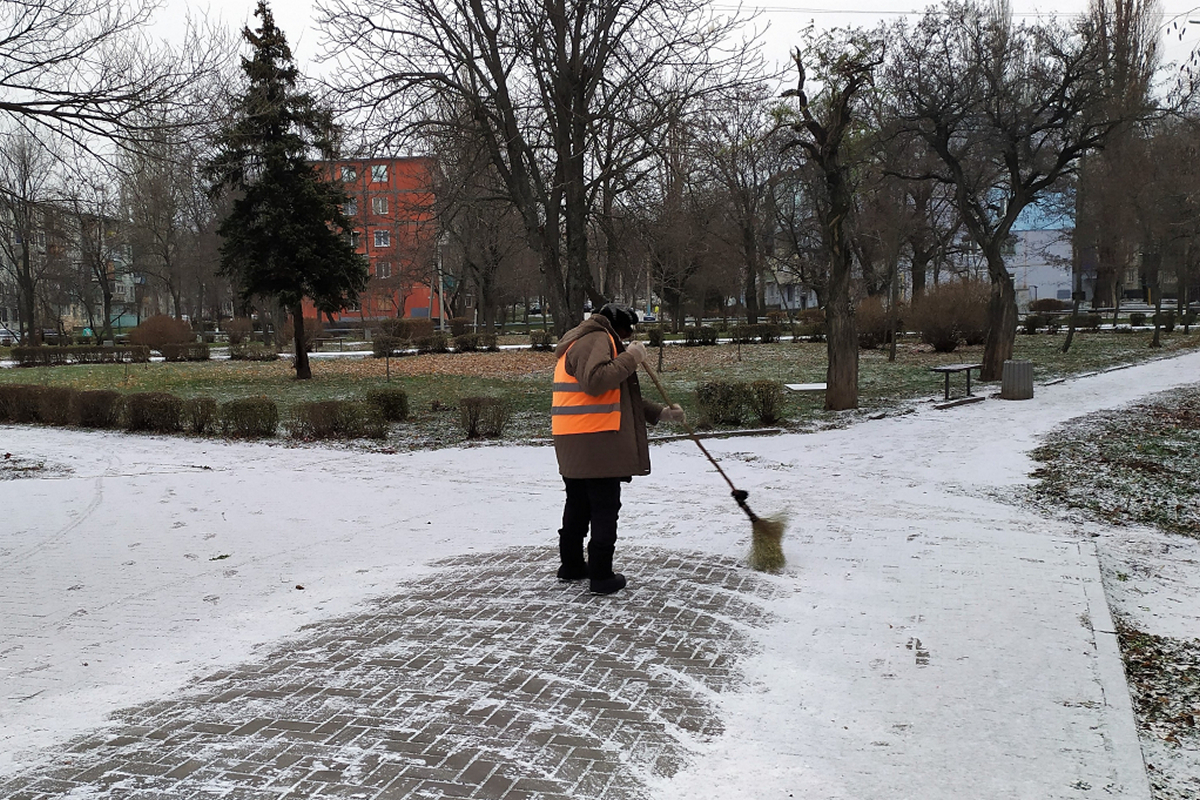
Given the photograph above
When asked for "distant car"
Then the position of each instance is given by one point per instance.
(8, 337)
(536, 311)
(649, 318)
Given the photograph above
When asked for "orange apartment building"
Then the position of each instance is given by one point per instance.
(391, 204)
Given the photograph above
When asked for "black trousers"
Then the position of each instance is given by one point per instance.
(594, 503)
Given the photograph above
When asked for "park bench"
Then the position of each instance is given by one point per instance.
(950, 369)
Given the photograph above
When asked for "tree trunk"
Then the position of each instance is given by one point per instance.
(1002, 321)
(1071, 323)
(303, 370)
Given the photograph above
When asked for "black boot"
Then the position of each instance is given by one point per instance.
(602, 578)
(572, 567)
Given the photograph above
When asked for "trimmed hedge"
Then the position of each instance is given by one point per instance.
(766, 401)
(484, 417)
(1137, 318)
(57, 405)
(45, 356)
(703, 336)
(336, 419)
(250, 418)
(723, 402)
(541, 340)
(392, 404)
(433, 343)
(200, 415)
(253, 351)
(158, 412)
(101, 408)
(406, 329)
(383, 346)
(1165, 320)
(473, 342)
(192, 351)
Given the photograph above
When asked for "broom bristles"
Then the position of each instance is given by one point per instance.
(766, 543)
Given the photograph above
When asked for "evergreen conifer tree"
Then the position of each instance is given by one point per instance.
(286, 236)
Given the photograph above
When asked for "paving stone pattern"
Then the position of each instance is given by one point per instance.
(485, 680)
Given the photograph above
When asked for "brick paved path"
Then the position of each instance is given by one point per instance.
(485, 680)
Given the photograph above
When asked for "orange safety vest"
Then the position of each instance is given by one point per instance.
(575, 411)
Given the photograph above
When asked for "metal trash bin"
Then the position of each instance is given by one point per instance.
(1016, 380)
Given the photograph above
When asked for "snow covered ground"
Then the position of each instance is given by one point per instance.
(932, 637)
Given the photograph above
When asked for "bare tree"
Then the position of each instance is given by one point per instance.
(1009, 110)
(741, 150)
(843, 63)
(539, 81)
(28, 183)
(85, 70)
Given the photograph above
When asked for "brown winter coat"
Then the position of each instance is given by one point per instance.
(609, 454)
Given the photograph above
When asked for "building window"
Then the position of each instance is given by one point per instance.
(383, 238)
(351, 208)
(349, 174)
(379, 173)
(355, 239)
(379, 205)
(383, 269)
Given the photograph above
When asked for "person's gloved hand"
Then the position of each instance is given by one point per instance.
(637, 350)
(673, 414)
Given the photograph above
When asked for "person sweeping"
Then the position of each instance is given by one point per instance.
(599, 418)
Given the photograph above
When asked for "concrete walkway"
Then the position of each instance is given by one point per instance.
(484, 680)
(931, 639)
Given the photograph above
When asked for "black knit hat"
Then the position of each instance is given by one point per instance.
(623, 318)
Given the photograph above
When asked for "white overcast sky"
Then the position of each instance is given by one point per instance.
(785, 17)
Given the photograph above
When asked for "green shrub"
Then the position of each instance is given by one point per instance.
(253, 351)
(459, 325)
(336, 419)
(489, 342)
(161, 330)
(250, 418)
(766, 401)
(158, 412)
(1188, 318)
(1090, 322)
(1033, 322)
(1165, 320)
(391, 403)
(654, 336)
(541, 340)
(485, 417)
(200, 415)
(1137, 318)
(192, 351)
(100, 408)
(723, 402)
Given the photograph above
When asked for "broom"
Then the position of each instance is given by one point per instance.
(766, 548)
